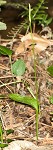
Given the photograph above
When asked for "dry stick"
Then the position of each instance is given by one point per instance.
(5, 84)
(9, 76)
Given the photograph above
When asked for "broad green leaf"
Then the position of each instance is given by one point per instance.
(3, 26)
(5, 51)
(51, 99)
(50, 70)
(18, 68)
(25, 100)
(2, 145)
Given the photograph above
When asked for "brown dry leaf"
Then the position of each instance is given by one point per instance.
(37, 38)
(20, 48)
(23, 46)
(39, 42)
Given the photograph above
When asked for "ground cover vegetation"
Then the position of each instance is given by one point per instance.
(27, 79)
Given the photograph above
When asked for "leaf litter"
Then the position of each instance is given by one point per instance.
(19, 117)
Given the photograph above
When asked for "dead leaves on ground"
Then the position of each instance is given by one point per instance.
(27, 42)
(3, 67)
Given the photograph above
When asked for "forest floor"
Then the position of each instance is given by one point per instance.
(19, 117)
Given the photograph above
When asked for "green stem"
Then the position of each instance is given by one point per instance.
(36, 84)
(10, 62)
(36, 125)
(1, 132)
(12, 72)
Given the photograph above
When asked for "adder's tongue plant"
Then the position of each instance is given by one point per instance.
(31, 101)
(18, 68)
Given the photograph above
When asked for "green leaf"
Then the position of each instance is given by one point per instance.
(48, 21)
(2, 145)
(9, 140)
(18, 68)
(9, 131)
(5, 51)
(3, 26)
(25, 100)
(50, 70)
(51, 99)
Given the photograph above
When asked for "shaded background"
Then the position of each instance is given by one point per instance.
(10, 14)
